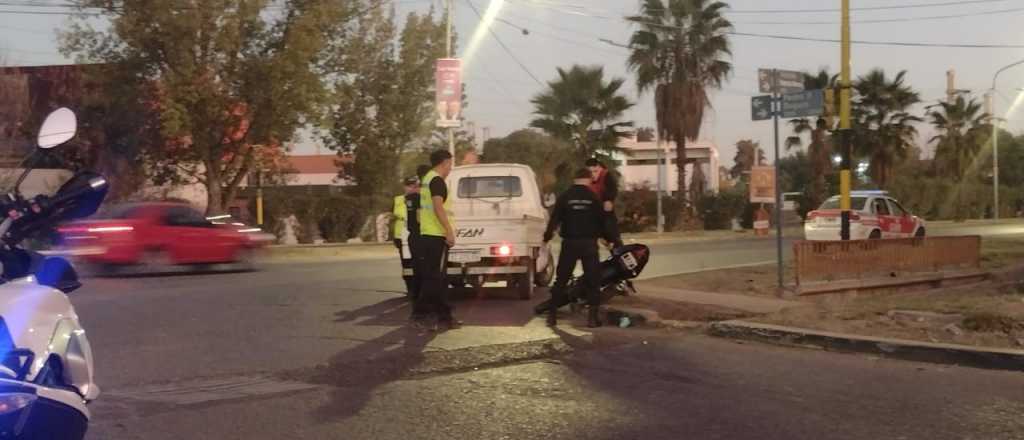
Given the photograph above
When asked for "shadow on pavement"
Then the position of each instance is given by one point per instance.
(405, 350)
(472, 311)
(356, 373)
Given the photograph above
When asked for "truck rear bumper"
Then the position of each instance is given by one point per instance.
(459, 271)
(493, 270)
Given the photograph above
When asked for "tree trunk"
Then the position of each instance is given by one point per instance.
(214, 201)
(681, 192)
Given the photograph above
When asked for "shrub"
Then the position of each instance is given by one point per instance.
(638, 210)
(718, 210)
(332, 213)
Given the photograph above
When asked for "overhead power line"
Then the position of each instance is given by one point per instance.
(887, 20)
(502, 44)
(918, 5)
(866, 8)
(883, 43)
(809, 39)
(70, 9)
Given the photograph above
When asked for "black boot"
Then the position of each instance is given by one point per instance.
(593, 320)
(552, 316)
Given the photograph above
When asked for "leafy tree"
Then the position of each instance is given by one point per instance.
(962, 130)
(229, 78)
(581, 108)
(383, 96)
(679, 51)
(796, 174)
(552, 159)
(748, 155)
(884, 128)
(821, 147)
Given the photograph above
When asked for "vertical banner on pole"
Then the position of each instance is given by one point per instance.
(448, 92)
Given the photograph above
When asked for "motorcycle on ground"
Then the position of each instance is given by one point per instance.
(615, 278)
(46, 363)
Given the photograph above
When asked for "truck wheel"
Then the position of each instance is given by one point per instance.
(525, 283)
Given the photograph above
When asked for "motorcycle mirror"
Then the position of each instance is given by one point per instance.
(58, 128)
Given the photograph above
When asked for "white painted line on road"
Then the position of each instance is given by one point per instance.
(709, 269)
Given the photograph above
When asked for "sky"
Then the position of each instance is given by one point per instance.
(560, 33)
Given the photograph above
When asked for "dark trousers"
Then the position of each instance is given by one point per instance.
(412, 285)
(585, 251)
(611, 227)
(432, 262)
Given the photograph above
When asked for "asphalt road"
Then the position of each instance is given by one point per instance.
(322, 350)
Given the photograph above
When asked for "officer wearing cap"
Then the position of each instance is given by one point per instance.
(406, 227)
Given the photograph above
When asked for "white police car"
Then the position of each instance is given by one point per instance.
(874, 215)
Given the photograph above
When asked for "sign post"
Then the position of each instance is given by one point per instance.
(787, 99)
(778, 190)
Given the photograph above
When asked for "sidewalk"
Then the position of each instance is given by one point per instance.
(659, 306)
(744, 303)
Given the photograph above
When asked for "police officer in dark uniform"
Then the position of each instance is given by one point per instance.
(580, 216)
(412, 206)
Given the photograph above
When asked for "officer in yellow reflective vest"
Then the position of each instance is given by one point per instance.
(403, 232)
(437, 235)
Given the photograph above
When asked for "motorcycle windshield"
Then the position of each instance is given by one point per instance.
(15, 363)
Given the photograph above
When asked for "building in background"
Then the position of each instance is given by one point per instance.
(639, 164)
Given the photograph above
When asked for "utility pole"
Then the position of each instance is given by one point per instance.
(990, 108)
(844, 124)
(259, 197)
(950, 86)
(448, 53)
(661, 185)
(995, 137)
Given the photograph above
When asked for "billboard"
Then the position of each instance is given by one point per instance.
(762, 184)
(448, 92)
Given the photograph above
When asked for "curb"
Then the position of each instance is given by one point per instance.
(993, 359)
(638, 317)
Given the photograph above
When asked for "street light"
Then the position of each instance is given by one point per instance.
(995, 139)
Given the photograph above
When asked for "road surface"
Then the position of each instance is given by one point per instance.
(321, 350)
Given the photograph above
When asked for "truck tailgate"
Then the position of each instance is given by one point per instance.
(481, 231)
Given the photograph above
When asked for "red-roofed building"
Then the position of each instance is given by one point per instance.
(311, 170)
(316, 169)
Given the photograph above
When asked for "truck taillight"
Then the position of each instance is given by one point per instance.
(812, 215)
(503, 250)
(854, 217)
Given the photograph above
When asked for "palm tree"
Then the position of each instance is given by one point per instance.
(962, 129)
(582, 108)
(883, 126)
(819, 150)
(679, 51)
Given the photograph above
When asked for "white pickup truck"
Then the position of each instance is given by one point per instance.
(499, 226)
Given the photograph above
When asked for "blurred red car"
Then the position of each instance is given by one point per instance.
(160, 235)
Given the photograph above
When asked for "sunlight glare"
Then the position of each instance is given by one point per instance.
(481, 30)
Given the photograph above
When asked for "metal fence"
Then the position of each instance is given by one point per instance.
(838, 260)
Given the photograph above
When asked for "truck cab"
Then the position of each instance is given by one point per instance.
(499, 225)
